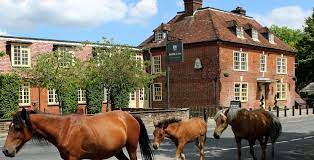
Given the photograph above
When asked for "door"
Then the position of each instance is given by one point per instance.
(262, 94)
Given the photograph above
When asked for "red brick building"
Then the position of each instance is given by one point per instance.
(22, 52)
(227, 56)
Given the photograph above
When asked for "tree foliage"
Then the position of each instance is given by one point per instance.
(60, 71)
(119, 70)
(305, 54)
(9, 94)
(288, 35)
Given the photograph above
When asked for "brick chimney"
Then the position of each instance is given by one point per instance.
(191, 6)
(239, 10)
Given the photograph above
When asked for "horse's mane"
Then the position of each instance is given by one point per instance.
(166, 122)
(232, 113)
(18, 120)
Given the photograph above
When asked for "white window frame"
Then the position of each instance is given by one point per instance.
(263, 64)
(241, 91)
(255, 35)
(281, 88)
(240, 61)
(65, 50)
(281, 65)
(271, 38)
(23, 48)
(159, 35)
(132, 96)
(154, 92)
(240, 32)
(156, 68)
(142, 95)
(81, 96)
(25, 94)
(105, 95)
(53, 94)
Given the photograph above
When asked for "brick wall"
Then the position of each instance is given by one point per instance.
(190, 87)
(250, 76)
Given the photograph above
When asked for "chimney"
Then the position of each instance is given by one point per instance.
(240, 11)
(191, 6)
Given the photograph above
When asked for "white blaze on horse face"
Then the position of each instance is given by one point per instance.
(221, 124)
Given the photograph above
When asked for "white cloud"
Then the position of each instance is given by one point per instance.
(3, 33)
(291, 16)
(180, 3)
(24, 14)
(142, 11)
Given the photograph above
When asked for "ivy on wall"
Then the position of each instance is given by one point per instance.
(94, 97)
(2, 53)
(9, 94)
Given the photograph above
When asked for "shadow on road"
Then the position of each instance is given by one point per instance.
(291, 146)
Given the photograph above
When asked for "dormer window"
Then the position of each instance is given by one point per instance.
(254, 35)
(271, 38)
(160, 35)
(240, 32)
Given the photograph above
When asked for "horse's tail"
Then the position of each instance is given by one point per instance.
(276, 128)
(146, 150)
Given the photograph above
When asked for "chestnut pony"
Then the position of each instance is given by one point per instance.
(81, 137)
(250, 125)
(181, 132)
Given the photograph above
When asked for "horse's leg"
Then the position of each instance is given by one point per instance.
(132, 151)
(121, 156)
(179, 152)
(202, 146)
(273, 150)
(252, 142)
(263, 143)
(238, 140)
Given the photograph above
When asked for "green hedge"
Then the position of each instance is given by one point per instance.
(94, 97)
(68, 95)
(9, 94)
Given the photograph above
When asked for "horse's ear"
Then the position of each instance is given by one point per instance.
(13, 114)
(155, 124)
(226, 111)
(24, 113)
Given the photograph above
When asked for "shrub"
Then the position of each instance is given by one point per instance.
(94, 97)
(9, 94)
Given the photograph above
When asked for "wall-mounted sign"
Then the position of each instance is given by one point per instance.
(235, 104)
(174, 51)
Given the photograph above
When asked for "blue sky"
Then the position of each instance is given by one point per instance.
(127, 21)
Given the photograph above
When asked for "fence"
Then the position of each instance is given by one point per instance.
(205, 111)
(295, 110)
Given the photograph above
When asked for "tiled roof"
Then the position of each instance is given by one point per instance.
(308, 88)
(209, 24)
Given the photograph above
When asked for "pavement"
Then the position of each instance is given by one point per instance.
(295, 143)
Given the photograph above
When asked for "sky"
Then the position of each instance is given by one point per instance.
(127, 21)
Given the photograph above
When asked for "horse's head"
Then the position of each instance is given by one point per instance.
(20, 131)
(221, 122)
(159, 135)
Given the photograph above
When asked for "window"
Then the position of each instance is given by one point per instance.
(52, 96)
(105, 95)
(281, 91)
(159, 35)
(156, 66)
(240, 61)
(241, 91)
(281, 65)
(157, 92)
(271, 38)
(240, 32)
(132, 96)
(81, 98)
(24, 94)
(21, 56)
(66, 56)
(139, 60)
(254, 35)
(263, 63)
(142, 94)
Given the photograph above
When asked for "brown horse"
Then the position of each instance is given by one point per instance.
(81, 137)
(181, 132)
(250, 125)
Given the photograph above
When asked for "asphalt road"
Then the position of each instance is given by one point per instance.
(295, 143)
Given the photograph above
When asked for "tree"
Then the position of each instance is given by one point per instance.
(60, 71)
(9, 94)
(305, 54)
(288, 35)
(120, 69)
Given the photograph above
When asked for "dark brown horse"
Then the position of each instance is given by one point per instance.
(181, 132)
(81, 137)
(250, 125)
